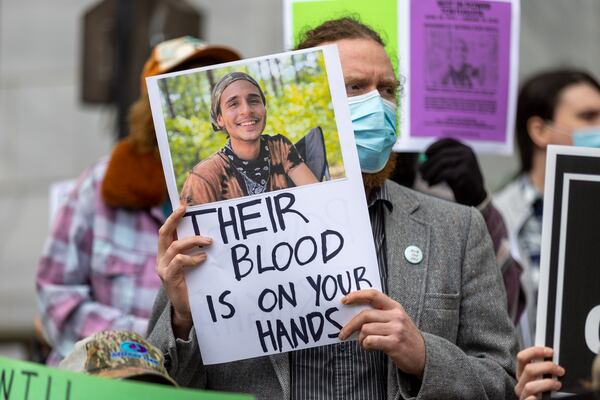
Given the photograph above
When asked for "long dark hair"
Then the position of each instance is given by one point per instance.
(539, 96)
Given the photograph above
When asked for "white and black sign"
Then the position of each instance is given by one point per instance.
(569, 298)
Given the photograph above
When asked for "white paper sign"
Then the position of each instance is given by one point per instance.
(282, 259)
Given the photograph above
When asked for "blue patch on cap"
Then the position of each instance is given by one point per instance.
(133, 347)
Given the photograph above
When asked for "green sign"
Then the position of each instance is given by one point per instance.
(381, 15)
(21, 380)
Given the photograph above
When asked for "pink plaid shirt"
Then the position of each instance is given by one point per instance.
(97, 269)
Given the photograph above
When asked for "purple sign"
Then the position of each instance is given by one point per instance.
(460, 69)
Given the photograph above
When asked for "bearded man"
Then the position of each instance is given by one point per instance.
(439, 330)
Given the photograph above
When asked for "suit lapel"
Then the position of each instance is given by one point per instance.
(406, 281)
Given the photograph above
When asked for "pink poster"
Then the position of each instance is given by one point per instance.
(460, 71)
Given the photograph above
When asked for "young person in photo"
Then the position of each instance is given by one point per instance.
(250, 162)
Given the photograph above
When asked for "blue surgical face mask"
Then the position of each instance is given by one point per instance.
(374, 124)
(587, 137)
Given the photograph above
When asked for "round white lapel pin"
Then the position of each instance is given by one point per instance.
(413, 254)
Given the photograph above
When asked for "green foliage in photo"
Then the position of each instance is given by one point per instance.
(297, 95)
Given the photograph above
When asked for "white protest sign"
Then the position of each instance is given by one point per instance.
(283, 257)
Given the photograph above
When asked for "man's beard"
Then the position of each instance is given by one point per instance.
(377, 179)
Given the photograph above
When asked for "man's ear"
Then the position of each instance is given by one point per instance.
(539, 132)
(220, 121)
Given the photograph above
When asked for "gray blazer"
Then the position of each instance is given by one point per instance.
(454, 295)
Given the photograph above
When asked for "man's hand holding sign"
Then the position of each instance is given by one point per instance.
(388, 328)
(172, 261)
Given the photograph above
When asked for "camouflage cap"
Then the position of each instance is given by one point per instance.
(168, 55)
(119, 355)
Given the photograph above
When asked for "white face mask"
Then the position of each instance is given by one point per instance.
(374, 124)
(587, 137)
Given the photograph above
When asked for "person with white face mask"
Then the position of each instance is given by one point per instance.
(439, 329)
(554, 107)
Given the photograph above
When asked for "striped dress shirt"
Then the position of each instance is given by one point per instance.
(345, 370)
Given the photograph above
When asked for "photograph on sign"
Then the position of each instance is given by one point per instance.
(262, 153)
(224, 148)
(460, 60)
(568, 317)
